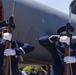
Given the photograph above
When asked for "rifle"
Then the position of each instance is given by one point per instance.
(7, 44)
(67, 51)
(68, 30)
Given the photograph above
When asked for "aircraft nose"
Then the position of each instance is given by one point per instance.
(73, 7)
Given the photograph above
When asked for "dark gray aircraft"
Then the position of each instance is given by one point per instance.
(34, 20)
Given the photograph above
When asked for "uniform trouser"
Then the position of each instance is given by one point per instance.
(14, 66)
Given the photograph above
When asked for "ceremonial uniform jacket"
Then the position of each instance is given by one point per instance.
(57, 49)
(20, 48)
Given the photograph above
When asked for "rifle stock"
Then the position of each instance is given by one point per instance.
(67, 66)
(7, 59)
(67, 51)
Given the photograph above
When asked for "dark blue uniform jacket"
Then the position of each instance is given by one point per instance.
(14, 59)
(57, 50)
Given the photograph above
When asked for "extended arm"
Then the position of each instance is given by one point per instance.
(24, 48)
(48, 42)
(21, 48)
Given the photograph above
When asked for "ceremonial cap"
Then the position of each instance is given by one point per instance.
(4, 25)
(62, 30)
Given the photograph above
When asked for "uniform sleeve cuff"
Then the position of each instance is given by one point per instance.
(50, 40)
(22, 50)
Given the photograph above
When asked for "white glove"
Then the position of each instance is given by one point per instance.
(9, 52)
(65, 39)
(7, 36)
(69, 59)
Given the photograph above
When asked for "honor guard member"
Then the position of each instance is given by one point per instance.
(16, 48)
(56, 46)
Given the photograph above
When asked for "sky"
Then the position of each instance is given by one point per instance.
(61, 5)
